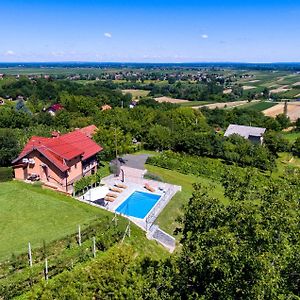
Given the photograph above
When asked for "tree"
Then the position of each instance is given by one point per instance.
(245, 249)
(296, 147)
(266, 93)
(9, 147)
(114, 141)
(275, 142)
(160, 138)
(283, 120)
(298, 124)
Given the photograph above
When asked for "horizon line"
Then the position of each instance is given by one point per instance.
(142, 62)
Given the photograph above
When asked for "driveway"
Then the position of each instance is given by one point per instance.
(136, 161)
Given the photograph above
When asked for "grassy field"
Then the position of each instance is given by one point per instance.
(167, 218)
(291, 136)
(136, 94)
(30, 213)
(286, 160)
(195, 103)
(291, 94)
(258, 106)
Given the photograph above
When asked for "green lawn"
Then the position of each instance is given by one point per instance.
(167, 218)
(30, 213)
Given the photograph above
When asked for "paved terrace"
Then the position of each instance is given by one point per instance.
(135, 182)
(134, 172)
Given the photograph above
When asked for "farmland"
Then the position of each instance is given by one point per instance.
(293, 110)
(258, 106)
(224, 104)
(171, 100)
(284, 84)
(136, 94)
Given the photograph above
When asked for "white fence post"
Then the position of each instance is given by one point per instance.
(29, 255)
(46, 269)
(79, 236)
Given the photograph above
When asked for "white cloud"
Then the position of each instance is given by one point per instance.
(57, 53)
(204, 36)
(108, 35)
(9, 52)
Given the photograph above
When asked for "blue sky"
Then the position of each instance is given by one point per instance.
(150, 31)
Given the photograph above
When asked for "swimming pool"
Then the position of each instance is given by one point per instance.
(138, 204)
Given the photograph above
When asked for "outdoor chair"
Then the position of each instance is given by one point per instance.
(115, 189)
(112, 195)
(121, 185)
(109, 199)
(149, 188)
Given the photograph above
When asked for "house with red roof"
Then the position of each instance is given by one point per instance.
(53, 109)
(60, 161)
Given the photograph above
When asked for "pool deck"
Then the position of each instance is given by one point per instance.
(134, 181)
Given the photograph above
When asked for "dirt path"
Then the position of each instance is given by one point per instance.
(283, 88)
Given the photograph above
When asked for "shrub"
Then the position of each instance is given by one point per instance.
(6, 174)
(152, 176)
(186, 164)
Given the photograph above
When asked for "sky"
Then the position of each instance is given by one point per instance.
(150, 31)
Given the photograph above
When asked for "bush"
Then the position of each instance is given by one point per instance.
(87, 181)
(6, 174)
(186, 164)
(152, 176)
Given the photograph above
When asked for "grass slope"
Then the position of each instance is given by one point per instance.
(258, 106)
(291, 136)
(167, 218)
(29, 213)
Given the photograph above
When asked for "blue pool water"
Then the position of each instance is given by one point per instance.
(138, 204)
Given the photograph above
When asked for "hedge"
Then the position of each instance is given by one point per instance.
(187, 164)
(6, 174)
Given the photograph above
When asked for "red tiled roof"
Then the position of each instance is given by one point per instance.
(56, 107)
(79, 140)
(88, 130)
(65, 147)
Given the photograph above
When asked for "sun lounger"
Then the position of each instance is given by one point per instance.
(112, 195)
(121, 185)
(149, 188)
(110, 199)
(115, 189)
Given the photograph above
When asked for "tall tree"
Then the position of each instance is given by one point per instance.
(9, 147)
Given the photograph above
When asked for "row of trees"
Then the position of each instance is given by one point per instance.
(41, 93)
(154, 126)
(223, 117)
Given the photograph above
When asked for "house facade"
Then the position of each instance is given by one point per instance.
(60, 161)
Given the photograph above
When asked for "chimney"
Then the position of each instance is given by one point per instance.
(55, 134)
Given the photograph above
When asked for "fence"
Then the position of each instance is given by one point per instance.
(22, 271)
(162, 237)
(160, 206)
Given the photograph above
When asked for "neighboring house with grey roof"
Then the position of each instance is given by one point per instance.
(253, 134)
